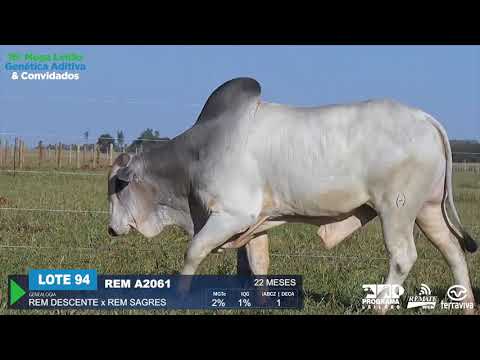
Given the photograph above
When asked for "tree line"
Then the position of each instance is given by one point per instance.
(148, 138)
(465, 150)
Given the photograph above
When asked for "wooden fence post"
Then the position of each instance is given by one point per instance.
(110, 155)
(78, 156)
(40, 154)
(70, 155)
(6, 153)
(23, 155)
(59, 155)
(20, 154)
(94, 148)
(97, 155)
(15, 156)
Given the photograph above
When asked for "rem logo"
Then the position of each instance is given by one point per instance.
(383, 295)
(424, 299)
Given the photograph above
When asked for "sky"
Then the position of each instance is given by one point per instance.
(132, 88)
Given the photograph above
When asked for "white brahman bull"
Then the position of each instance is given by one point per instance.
(248, 165)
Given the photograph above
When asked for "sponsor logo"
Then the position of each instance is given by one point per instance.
(456, 294)
(424, 299)
(382, 295)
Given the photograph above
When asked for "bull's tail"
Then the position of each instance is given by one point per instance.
(466, 241)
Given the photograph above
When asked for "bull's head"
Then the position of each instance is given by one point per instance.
(141, 200)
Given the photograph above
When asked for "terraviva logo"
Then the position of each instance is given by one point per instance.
(457, 294)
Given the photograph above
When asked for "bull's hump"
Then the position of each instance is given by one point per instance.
(230, 97)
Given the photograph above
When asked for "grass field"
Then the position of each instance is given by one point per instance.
(333, 285)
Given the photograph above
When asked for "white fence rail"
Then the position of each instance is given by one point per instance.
(467, 167)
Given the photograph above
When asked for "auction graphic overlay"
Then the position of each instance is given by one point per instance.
(84, 289)
(51, 66)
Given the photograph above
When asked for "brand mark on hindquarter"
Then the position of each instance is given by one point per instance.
(401, 201)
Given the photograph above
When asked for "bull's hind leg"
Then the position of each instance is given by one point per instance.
(334, 233)
(253, 258)
(431, 222)
(397, 228)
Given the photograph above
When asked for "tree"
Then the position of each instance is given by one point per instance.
(104, 142)
(147, 138)
(85, 135)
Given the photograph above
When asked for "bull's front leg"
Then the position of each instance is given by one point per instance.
(217, 230)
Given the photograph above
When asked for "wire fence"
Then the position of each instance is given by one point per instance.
(84, 153)
(81, 139)
(110, 249)
(56, 210)
(16, 153)
(472, 167)
(50, 172)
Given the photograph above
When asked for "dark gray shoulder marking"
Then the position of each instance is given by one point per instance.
(229, 97)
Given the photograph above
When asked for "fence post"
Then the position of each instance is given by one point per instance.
(6, 153)
(78, 156)
(110, 155)
(20, 154)
(40, 154)
(59, 155)
(98, 155)
(1, 154)
(15, 155)
(94, 148)
(22, 158)
(70, 155)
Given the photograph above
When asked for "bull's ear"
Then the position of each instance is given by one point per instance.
(125, 174)
(122, 160)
